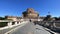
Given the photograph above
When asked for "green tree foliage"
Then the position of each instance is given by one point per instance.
(2, 24)
(2, 18)
(56, 18)
(47, 18)
(24, 13)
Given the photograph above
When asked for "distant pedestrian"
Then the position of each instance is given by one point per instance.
(30, 20)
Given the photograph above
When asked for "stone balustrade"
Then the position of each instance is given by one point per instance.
(10, 23)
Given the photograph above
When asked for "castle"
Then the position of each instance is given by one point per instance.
(28, 14)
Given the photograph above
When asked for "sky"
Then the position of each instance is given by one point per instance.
(16, 7)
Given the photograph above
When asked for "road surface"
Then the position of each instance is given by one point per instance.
(30, 28)
(6, 30)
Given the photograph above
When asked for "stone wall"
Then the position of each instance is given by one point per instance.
(30, 13)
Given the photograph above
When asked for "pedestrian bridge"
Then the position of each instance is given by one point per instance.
(9, 23)
(5, 20)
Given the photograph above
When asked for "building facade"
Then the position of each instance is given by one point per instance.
(30, 13)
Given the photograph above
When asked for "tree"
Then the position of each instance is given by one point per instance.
(2, 18)
(47, 18)
(24, 13)
(59, 18)
(56, 18)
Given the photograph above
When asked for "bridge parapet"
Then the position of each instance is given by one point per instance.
(5, 20)
(50, 24)
(11, 24)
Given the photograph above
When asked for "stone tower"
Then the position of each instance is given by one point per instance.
(30, 13)
(30, 10)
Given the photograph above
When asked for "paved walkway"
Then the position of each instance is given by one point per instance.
(30, 28)
(8, 29)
